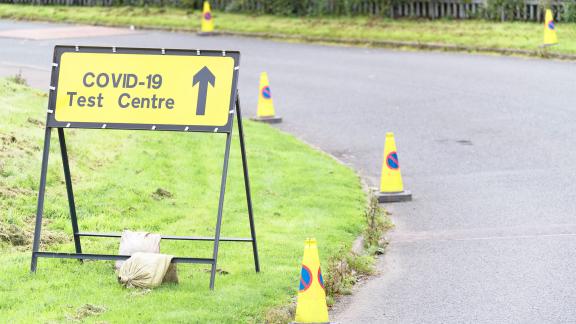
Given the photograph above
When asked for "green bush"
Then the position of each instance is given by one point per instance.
(569, 14)
(504, 9)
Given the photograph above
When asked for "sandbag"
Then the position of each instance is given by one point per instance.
(132, 242)
(171, 275)
(144, 270)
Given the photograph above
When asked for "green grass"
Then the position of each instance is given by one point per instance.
(470, 33)
(297, 191)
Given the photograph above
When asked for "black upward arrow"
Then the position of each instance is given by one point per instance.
(204, 76)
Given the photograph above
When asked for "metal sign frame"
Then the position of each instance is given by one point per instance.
(235, 112)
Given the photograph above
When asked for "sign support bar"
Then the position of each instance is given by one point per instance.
(41, 191)
(220, 208)
(247, 185)
(69, 190)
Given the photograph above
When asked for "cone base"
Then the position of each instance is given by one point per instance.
(269, 120)
(201, 33)
(388, 197)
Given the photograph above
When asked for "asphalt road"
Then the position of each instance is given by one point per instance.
(486, 144)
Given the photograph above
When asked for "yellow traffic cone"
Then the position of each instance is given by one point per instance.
(311, 307)
(265, 111)
(550, 37)
(207, 27)
(391, 185)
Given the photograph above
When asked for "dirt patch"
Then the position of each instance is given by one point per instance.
(219, 271)
(86, 310)
(22, 236)
(14, 235)
(7, 140)
(9, 144)
(160, 194)
(50, 237)
(12, 193)
(12, 148)
(36, 122)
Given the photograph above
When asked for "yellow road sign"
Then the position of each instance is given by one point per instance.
(144, 88)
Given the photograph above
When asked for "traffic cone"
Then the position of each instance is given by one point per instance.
(311, 306)
(391, 185)
(550, 37)
(265, 111)
(207, 27)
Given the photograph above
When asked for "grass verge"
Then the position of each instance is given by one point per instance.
(166, 183)
(522, 38)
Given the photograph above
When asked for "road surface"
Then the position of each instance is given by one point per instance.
(486, 145)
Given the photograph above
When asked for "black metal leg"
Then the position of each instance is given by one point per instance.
(69, 190)
(220, 209)
(247, 185)
(41, 192)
